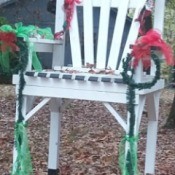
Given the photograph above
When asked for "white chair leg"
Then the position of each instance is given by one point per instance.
(27, 105)
(54, 139)
(153, 109)
(138, 108)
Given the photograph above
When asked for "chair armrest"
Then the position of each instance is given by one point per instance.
(45, 41)
(45, 45)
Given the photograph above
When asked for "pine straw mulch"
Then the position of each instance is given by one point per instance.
(89, 138)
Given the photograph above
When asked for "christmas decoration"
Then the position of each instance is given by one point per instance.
(23, 163)
(141, 51)
(69, 10)
(8, 35)
(142, 48)
(7, 46)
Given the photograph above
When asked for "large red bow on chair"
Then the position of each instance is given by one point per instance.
(142, 48)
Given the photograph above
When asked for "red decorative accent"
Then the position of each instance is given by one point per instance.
(145, 21)
(8, 40)
(69, 10)
(58, 35)
(142, 48)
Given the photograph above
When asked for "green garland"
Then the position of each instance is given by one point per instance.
(128, 160)
(23, 165)
(25, 32)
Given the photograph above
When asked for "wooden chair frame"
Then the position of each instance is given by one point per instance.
(53, 86)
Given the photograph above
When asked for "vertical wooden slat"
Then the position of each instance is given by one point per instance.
(103, 33)
(159, 15)
(118, 33)
(158, 23)
(114, 3)
(88, 32)
(59, 17)
(75, 41)
(58, 59)
(133, 33)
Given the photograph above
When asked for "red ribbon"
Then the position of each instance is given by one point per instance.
(58, 35)
(142, 48)
(69, 10)
(8, 41)
(145, 21)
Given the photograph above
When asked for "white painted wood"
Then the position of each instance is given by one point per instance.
(44, 47)
(138, 76)
(159, 15)
(54, 137)
(159, 85)
(58, 55)
(139, 111)
(77, 94)
(30, 102)
(30, 52)
(158, 24)
(153, 108)
(60, 16)
(84, 85)
(114, 3)
(151, 147)
(118, 33)
(133, 33)
(58, 51)
(103, 34)
(37, 108)
(116, 115)
(45, 41)
(75, 41)
(88, 32)
(77, 85)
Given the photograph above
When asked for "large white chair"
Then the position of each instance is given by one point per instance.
(82, 84)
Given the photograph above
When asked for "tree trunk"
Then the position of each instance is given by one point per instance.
(170, 123)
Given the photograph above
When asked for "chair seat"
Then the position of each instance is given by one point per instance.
(79, 76)
(84, 86)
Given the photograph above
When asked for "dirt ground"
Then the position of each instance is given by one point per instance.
(90, 137)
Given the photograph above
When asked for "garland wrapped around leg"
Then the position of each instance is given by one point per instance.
(22, 165)
(128, 157)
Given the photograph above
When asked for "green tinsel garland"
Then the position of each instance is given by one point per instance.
(128, 161)
(23, 165)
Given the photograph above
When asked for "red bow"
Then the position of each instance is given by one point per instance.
(8, 40)
(142, 48)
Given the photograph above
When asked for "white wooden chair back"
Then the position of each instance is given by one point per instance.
(102, 59)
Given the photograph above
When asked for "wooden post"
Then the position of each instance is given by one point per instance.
(54, 139)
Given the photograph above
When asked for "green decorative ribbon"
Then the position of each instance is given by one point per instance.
(4, 61)
(26, 32)
(128, 160)
(23, 164)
